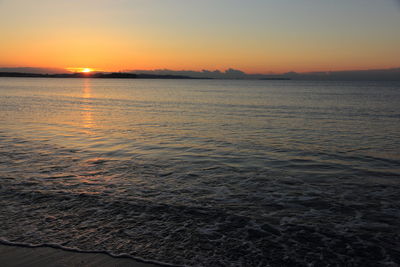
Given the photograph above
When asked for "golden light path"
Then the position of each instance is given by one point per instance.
(87, 109)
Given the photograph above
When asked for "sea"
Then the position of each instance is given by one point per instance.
(203, 172)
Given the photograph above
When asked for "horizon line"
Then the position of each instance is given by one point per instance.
(222, 71)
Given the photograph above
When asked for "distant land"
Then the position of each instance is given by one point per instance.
(352, 75)
(100, 75)
(113, 75)
(392, 74)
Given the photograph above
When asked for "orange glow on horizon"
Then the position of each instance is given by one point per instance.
(80, 70)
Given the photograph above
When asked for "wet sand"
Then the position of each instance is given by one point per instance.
(15, 256)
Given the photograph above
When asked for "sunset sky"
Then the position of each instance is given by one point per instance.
(257, 36)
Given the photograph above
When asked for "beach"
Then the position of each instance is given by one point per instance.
(17, 256)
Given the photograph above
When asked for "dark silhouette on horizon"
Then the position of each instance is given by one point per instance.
(392, 74)
(114, 75)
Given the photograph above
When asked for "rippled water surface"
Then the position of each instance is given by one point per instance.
(204, 172)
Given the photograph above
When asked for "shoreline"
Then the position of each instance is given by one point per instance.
(20, 255)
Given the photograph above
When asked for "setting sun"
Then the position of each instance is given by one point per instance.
(86, 70)
(82, 70)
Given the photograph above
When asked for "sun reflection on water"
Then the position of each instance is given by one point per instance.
(88, 122)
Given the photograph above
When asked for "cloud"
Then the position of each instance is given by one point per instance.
(215, 74)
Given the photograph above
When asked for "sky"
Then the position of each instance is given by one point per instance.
(256, 36)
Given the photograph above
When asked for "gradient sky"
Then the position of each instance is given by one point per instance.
(252, 35)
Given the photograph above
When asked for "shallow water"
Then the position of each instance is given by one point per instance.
(204, 172)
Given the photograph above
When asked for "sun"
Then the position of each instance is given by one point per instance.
(86, 70)
(80, 70)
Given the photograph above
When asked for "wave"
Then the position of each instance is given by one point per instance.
(262, 175)
(57, 246)
(197, 236)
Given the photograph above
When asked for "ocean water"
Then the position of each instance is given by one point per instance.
(204, 172)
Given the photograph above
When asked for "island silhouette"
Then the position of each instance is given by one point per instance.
(392, 74)
(114, 75)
